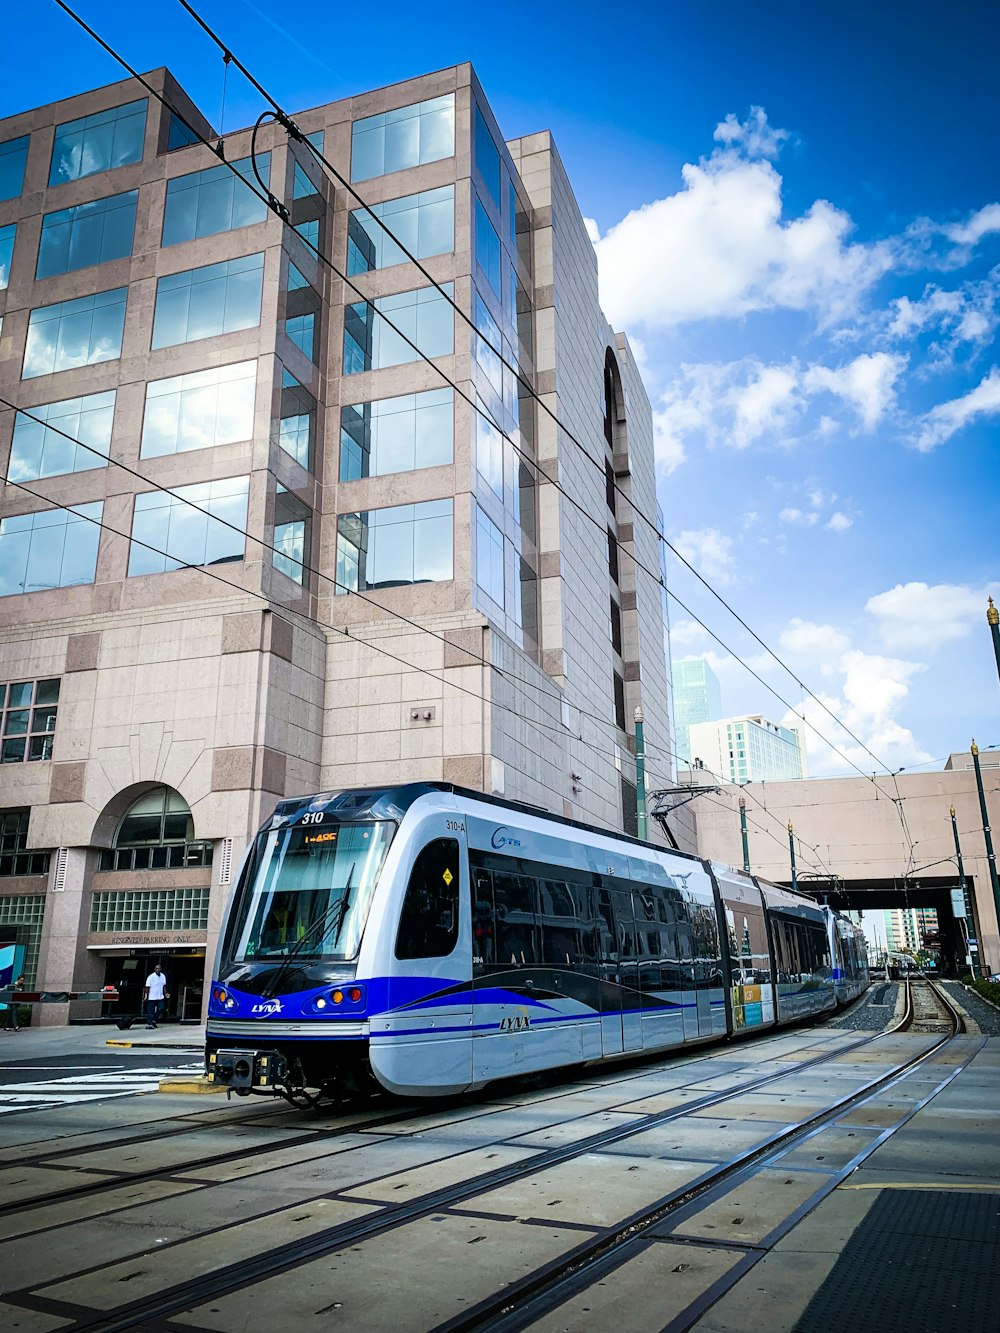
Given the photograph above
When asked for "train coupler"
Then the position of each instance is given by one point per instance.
(244, 1072)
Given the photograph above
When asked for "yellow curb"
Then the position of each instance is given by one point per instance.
(202, 1084)
(111, 1041)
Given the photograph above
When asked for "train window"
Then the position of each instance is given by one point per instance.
(483, 923)
(515, 920)
(562, 932)
(428, 924)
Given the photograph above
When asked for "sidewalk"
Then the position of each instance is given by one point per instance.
(32, 1043)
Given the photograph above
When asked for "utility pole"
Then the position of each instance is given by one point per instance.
(743, 835)
(993, 619)
(963, 889)
(990, 856)
(640, 774)
(791, 852)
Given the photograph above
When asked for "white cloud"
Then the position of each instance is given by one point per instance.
(955, 318)
(811, 644)
(867, 383)
(839, 522)
(921, 615)
(720, 247)
(593, 230)
(945, 420)
(980, 224)
(798, 517)
(709, 550)
(688, 634)
(765, 405)
(669, 428)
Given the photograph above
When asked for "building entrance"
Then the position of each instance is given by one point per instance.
(185, 971)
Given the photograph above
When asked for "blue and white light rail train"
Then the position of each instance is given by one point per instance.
(427, 940)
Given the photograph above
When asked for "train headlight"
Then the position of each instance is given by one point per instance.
(321, 1003)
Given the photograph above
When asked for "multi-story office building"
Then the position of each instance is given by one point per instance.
(697, 698)
(749, 749)
(269, 529)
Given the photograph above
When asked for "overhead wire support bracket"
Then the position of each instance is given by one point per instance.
(660, 811)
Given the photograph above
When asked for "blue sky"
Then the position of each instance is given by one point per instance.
(796, 210)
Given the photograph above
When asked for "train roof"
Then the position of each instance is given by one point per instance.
(393, 802)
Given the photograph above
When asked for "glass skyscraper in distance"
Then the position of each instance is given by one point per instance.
(697, 698)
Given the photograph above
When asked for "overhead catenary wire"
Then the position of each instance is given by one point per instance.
(288, 124)
(474, 403)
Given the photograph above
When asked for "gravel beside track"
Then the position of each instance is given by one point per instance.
(865, 1015)
(985, 1015)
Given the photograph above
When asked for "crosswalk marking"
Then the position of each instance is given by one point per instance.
(88, 1088)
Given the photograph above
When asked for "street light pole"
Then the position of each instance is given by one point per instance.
(993, 619)
(991, 859)
(962, 888)
(640, 774)
(791, 851)
(743, 835)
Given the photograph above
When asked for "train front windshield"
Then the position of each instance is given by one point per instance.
(311, 891)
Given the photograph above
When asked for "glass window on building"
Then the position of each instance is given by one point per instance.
(425, 316)
(395, 547)
(297, 420)
(488, 346)
(191, 525)
(215, 200)
(53, 548)
(26, 911)
(99, 142)
(487, 248)
(199, 410)
(151, 909)
(307, 209)
(302, 311)
(489, 559)
(180, 135)
(489, 453)
(75, 333)
(155, 833)
(29, 709)
(487, 157)
(291, 535)
(55, 438)
(407, 137)
(204, 302)
(7, 235)
(86, 234)
(13, 159)
(415, 430)
(424, 223)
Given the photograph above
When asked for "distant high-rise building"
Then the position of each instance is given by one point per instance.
(910, 929)
(697, 698)
(748, 749)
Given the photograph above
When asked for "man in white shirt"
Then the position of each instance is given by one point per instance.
(154, 993)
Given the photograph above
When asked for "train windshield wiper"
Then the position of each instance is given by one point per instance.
(318, 926)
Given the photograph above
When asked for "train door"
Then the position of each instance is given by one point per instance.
(621, 1018)
(688, 997)
(430, 1004)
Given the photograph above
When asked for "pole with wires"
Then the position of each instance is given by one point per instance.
(993, 619)
(743, 835)
(640, 774)
(991, 859)
(963, 887)
(791, 853)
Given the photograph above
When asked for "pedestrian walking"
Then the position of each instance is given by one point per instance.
(154, 993)
(12, 1024)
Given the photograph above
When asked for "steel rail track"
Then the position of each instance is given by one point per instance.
(523, 1303)
(236, 1276)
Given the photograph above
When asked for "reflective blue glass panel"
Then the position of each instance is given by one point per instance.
(54, 548)
(7, 235)
(75, 333)
(52, 440)
(13, 159)
(204, 302)
(215, 200)
(98, 142)
(389, 548)
(86, 234)
(424, 223)
(189, 526)
(487, 157)
(406, 137)
(401, 434)
(487, 248)
(424, 316)
(199, 410)
(489, 558)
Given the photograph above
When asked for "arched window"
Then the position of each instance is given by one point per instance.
(156, 833)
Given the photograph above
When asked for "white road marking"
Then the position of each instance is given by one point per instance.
(90, 1088)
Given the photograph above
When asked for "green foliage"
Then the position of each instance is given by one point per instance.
(989, 990)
